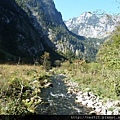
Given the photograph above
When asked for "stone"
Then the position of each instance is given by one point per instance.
(104, 111)
(90, 104)
(48, 85)
(117, 103)
(78, 100)
(27, 100)
(84, 103)
(87, 89)
(116, 112)
(92, 113)
(98, 109)
(109, 112)
(85, 93)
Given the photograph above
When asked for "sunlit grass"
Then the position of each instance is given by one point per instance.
(92, 75)
(18, 83)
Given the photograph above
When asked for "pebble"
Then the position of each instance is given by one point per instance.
(48, 85)
(109, 112)
(84, 103)
(92, 113)
(93, 101)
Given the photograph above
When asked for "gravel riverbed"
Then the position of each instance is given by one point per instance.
(58, 100)
(65, 98)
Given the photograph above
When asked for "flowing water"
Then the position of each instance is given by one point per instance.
(58, 102)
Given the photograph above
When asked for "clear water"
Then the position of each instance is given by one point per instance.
(58, 102)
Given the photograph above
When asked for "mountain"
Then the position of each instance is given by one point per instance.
(18, 36)
(45, 17)
(93, 25)
(28, 28)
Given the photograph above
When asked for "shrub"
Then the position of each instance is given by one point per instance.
(57, 63)
(109, 54)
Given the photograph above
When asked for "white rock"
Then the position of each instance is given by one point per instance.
(90, 104)
(116, 112)
(104, 111)
(109, 112)
(109, 104)
(117, 103)
(84, 103)
(88, 89)
(35, 81)
(79, 93)
(98, 109)
(85, 93)
(27, 100)
(99, 104)
(48, 85)
(79, 99)
(92, 113)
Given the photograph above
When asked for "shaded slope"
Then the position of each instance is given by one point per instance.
(18, 36)
(44, 14)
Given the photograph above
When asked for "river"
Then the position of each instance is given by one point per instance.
(57, 100)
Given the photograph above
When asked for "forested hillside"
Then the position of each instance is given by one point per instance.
(109, 53)
(19, 38)
(109, 57)
(47, 18)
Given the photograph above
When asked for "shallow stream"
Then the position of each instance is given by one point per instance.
(57, 100)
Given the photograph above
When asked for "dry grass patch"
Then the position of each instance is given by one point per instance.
(20, 86)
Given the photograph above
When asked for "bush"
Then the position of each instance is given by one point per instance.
(20, 89)
(109, 54)
(57, 63)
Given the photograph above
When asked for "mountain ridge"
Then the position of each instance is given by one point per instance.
(93, 25)
(46, 15)
(18, 37)
(32, 27)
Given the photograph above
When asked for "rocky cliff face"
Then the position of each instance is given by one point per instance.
(18, 36)
(31, 27)
(46, 18)
(93, 25)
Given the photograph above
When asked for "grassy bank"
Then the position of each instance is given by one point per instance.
(20, 88)
(104, 83)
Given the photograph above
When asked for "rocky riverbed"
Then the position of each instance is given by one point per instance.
(63, 97)
(58, 100)
(88, 99)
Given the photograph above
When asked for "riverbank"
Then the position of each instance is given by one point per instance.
(20, 88)
(90, 100)
(87, 98)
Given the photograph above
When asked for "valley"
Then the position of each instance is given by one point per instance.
(53, 67)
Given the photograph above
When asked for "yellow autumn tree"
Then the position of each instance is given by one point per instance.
(46, 62)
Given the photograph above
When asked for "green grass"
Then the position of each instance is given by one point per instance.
(104, 83)
(20, 87)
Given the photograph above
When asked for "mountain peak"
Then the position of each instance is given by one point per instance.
(86, 14)
(94, 25)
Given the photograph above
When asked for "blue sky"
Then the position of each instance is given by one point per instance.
(73, 8)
